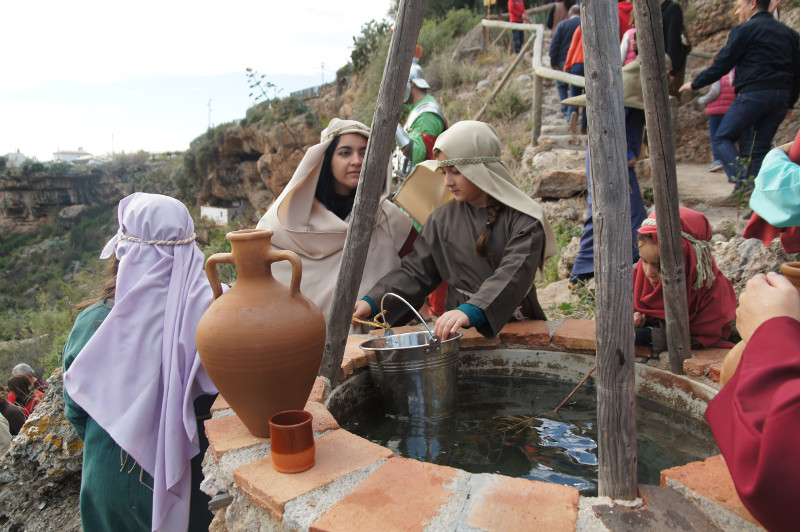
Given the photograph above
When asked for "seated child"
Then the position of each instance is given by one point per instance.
(712, 301)
(486, 243)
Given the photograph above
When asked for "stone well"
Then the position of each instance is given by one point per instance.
(358, 485)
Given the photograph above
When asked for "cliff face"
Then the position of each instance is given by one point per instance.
(25, 202)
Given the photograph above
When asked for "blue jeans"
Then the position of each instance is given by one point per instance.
(763, 111)
(713, 125)
(563, 91)
(574, 90)
(518, 36)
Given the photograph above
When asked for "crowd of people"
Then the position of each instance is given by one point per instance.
(472, 257)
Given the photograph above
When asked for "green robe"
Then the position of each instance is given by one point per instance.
(116, 493)
(445, 251)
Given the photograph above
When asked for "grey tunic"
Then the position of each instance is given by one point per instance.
(445, 251)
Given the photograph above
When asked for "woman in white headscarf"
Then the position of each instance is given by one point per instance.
(486, 243)
(311, 215)
(133, 375)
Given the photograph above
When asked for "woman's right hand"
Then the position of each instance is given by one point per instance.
(362, 310)
(765, 297)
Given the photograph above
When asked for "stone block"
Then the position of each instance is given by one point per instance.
(317, 394)
(502, 503)
(402, 494)
(337, 454)
(472, 339)
(576, 334)
(527, 332)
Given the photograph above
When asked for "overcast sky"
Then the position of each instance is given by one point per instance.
(139, 75)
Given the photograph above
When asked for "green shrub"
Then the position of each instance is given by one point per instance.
(506, 105)
(373, 34)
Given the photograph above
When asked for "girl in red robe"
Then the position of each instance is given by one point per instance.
(712, 301)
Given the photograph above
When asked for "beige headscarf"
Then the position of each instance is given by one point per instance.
(302, 224)
(474, 148)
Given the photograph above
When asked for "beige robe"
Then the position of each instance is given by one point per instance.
(300, 223)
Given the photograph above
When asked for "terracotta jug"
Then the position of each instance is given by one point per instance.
(261, 342)
(791, 270)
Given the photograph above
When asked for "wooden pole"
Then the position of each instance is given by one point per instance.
(616, 390)
(502, 83)
(665, 182)
(370, 186)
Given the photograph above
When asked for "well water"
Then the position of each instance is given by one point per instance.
(505, 425)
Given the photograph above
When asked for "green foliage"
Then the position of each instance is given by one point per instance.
(3, 163)
(439, 34)
(59, 168)
(30, 167)
(373, 34)
(372, 75)
(564, 232)
(506, 105)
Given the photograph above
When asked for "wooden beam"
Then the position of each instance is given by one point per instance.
(655, 85)
(613, 268)
(370, 186)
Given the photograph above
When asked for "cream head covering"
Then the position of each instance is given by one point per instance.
(474, 148)
(301, 223)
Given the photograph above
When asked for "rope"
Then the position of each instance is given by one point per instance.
(467, 160)
(157, 242)
(702, 254)
(375, 321)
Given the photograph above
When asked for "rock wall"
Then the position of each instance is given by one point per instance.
(40, 474)
(25, 201)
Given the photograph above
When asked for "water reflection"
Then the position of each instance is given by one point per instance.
(559, 448)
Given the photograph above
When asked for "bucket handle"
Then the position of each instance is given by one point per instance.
(434, 340)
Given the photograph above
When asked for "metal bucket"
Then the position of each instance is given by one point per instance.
(416, 373)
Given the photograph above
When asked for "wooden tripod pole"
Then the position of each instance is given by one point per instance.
(616, 389)
(370, 186)
(665, 181)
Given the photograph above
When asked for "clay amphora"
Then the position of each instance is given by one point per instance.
(791, 270)
(261, 342)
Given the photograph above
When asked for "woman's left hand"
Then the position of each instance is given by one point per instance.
(449, 323)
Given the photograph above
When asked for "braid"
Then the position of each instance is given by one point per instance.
(493, 211)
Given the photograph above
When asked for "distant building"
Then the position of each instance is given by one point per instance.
(72, 156)
(14, 159)
(220, 215)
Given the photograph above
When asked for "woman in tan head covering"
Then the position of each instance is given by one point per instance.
(311, 215)
(486, 244)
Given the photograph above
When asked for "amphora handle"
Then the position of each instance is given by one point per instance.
(297, 267)
(211, 271)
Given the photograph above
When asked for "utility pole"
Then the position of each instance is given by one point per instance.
(322, 68)
(209, 113)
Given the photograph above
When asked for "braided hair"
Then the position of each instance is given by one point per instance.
(494, 208)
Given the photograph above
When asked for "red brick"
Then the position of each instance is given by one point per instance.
(219, 404)
(644, 351)
(472, 338)
(519, 504)
(527, 332)
(229, 433)
(709, 479)
(714, 371)
(576, 334)
(402, 494)
(702, 359)
(318, 392)
(337, 454)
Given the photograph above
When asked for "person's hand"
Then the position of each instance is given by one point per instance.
(788, 113)
(786, 147)
(362, 310)
(632, 162)
(449, 323)
(639, 319)
(765, 297)
(685, 87)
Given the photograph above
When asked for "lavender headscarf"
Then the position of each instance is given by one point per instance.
(139, 374)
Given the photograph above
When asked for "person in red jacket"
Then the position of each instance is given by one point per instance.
(755, 418)
(516, 13)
